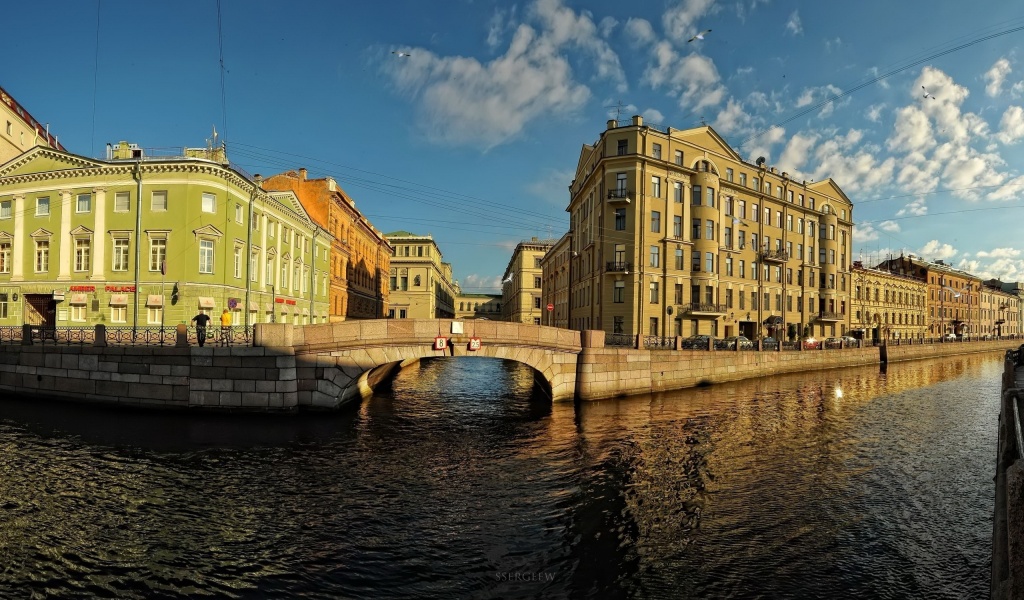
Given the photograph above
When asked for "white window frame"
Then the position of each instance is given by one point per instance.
(120, 252)
(238, 262)
(154, 315)
(5, 257)
(42, 251)
(209, 203)
(157, 256)
(82, 254)
(78, 313)
(6, 209)
(87, 198)
(207, 255)
(158, 201)
(43, 202)
(238, 213)
(118, 314)
(124, 197)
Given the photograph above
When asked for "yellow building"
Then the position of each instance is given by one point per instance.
(421, 282)
(555, 282)
(478, 306)
(888, 305)
(20, 131)
(676, 234)
(953, 299)
(522, 283)
(999, 311)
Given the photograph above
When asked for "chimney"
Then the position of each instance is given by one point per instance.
(302, 173)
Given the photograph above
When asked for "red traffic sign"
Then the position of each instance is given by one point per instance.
(551, 307)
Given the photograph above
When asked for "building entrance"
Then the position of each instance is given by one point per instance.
(40, 310)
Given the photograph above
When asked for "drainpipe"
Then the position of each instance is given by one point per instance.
(138, 242)
(257, 180)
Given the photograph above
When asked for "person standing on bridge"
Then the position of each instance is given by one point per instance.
(201, 320)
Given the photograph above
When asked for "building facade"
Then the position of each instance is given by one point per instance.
(677, 235)
(522, 284)
(478, 306)
(138, 240)
(20, 130)
(887, 305)
(999, 311)
(360, 256)
(421, 284)
(954, 296)
(555, 268)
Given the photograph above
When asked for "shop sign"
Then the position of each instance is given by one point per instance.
(82, 288)
(119, 288)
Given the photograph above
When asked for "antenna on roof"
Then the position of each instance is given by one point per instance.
(618, 106)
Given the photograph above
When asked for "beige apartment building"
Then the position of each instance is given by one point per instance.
(360, 256)
(999, 310)
(20, 131)
(522, 284)
(953, 299)
(555, 268)
(674, 233)
(478, 306)
(421, 282)
(887, 305)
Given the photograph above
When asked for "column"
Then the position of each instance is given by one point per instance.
(21, 241)
(99, 239)
(64, 237)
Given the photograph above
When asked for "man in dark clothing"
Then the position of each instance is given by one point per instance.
(201, 320)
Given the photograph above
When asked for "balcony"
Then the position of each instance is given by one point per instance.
(705, 308)
(619, 267)
(620, 195)
(829, 316)
(773, 256)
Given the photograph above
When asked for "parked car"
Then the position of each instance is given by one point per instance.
(949, 337)
(743, 341)
(850, 341)
(811, 343)
(832, 342)
(697, 342)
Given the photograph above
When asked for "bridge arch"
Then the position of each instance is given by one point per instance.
(338, 363)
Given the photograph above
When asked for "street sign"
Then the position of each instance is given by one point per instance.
(551, 307)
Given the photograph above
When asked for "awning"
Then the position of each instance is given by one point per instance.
(119, 300)
(206, 302)
(305, 311)
(78, 299)
(284, 308)
(154, 300)
(253, 306)
(268, 307)
(773, 321)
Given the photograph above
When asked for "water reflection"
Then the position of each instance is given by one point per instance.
(461, 481)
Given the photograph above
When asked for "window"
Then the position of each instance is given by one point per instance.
(695, 229)
(271, 228)
(655, 257)
(677, 191)
(238, 213)
(120, 257)
(270, 273)
(656, 151)
(623, 147)
(620, 219)
(43, 206)
(5, 258)
(536, 302)
(728, 237)
(253, 261)
(677, 227)
(709, 262)
(118, 314)
(619, 293)
(709, 230)
(743, 179)
(655, 221)
(680, 265)
(42, 256)
(754, 214)
(206, 256)
(654, 292)
(155, 315)
(755, 182)
(157, 253)
(789, 196)
(656, 186)
(654, 326)
(84, 203)
(695, 261)
(695, 195)
(5, 209)
(237, 264)
(767, 216)
(122, 202)
(679, 157)
(158, 201)
(620, 184)
(256, 222)
(82, 247)
(77, 312)
(536, 282)
(728, 174)
(742, 209)
(728, 265)
(711, 197)
(679, 293)
(209, 203)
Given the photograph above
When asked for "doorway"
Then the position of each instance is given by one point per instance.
(40, 310)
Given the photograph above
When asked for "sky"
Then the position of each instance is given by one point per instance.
(916, 110)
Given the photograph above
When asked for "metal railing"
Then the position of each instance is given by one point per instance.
(774, 255)
(618, 267)
(705, 307)
(620, 195)
(223, 336)
(124, 336)
(830, 315)
(656, 342)
(620, 340)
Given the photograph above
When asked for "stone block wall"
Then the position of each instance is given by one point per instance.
(234, 378)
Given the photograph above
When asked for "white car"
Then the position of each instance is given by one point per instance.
(949, 337)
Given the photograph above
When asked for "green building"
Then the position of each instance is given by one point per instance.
(140, 239)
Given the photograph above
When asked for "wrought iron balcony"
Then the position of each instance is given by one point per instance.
(620, 195)
(619, 267)
(705, 308)
(828, 315)
(773, 256)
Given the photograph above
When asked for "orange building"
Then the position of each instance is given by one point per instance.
(360, 255)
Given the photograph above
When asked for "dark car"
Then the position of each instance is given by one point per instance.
(734, 340)
(697, 342)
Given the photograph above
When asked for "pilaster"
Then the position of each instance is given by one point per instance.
(99, 240)
(64, 237)
(21, 241)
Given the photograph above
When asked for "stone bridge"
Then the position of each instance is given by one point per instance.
(339, 362)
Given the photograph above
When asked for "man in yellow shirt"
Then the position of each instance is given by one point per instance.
(225, 327)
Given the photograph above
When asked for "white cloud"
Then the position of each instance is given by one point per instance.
(639, 32)
(1011, 126)
(693, 78)
(914, 208)
(889, 226)
(499, 23)
(864, 232)
(481, 284)
(999, 253)
(680, 21)
(461, 101)
(796, 152)
(732, 118)
(762, 144)
(654, 116)
(1011, 190)
(853, 168)
(552, 187)
(816, 95)
(934, 250)
(744, 70)
(874, 113)
(996, 76)
(1017, 90)
(793, 24)
(607, 26)
(833, 44)
(913, 131)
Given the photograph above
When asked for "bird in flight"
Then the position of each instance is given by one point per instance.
(699, 36)
(401, 54)
(926, 94)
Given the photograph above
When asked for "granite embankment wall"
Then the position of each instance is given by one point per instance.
(229, 378)
(613, 372)
(1008, 513)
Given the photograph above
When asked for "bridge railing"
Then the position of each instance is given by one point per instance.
(121, 336)
(655, 342)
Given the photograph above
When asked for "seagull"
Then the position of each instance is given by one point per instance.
(699, 36)
(926, 94)
(401, 54)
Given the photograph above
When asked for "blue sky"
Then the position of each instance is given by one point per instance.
(475, 136)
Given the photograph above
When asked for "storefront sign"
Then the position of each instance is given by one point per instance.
(119, 288)
(82, 288)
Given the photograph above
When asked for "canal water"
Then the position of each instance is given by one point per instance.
(461, 482)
